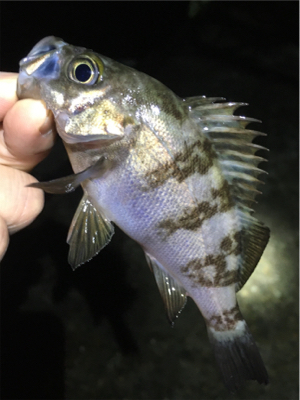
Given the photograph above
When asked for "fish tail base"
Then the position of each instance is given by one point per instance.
(237, 356)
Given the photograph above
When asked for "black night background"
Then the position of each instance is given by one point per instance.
(101, 332)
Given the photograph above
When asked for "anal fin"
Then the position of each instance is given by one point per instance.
(173, 294)
(88, 234)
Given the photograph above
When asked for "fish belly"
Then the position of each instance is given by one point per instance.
(194, 242)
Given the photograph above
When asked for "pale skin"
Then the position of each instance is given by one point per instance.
(27, 135)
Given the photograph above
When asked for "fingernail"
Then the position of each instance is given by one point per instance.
(48, 125)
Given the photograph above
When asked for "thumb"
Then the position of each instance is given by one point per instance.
(24, 203)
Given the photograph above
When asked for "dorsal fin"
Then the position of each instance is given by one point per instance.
(236, 154)
(173, 295)
(254, 240)
(233, 145)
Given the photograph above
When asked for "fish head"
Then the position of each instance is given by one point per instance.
(79, 86)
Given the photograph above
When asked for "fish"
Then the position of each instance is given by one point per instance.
(177, 175)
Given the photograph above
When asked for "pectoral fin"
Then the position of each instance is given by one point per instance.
(88, 234)
(69, 183)
(173, 295)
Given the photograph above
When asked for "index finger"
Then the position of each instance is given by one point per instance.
(27, 133)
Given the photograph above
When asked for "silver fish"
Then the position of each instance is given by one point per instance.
(179, 176)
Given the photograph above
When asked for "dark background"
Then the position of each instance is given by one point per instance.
(100, 332)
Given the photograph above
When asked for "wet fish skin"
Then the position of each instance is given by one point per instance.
(177, 175)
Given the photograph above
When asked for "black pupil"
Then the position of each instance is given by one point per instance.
(83, 73)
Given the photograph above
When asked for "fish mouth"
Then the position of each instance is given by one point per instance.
(41, 62)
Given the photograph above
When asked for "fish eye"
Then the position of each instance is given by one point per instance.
(85, 70)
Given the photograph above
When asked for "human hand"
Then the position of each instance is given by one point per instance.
(27, 134)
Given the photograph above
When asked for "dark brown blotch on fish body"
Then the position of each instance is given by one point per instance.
(190, 218)
(222, 277)
(208, 150)
(193, 218)
(224, 196)
(238, 243)
(159, 176)
(226, 244)
(218, 261)
(197, 157)
(227, 320)
(232, 244)
(168, 106)
(225, 278)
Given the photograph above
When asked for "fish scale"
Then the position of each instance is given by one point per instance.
(179, 176)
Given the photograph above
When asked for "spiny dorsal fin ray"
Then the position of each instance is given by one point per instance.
(234, 121)
(237, 133)
(196, 101)
(233, 145)
(222, 145)
(88, 234)
(237, 156)
(232, 166)
(173, 295)
(219, 108)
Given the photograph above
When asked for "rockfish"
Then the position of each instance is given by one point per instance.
(179, 176)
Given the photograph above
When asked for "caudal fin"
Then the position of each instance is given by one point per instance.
(237, 356)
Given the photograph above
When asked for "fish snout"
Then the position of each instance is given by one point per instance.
(41, 63)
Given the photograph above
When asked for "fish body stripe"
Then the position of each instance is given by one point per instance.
(192, 218)
(197, 157)
(212, 270)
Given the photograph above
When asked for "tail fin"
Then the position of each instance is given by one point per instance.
(237, 356)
